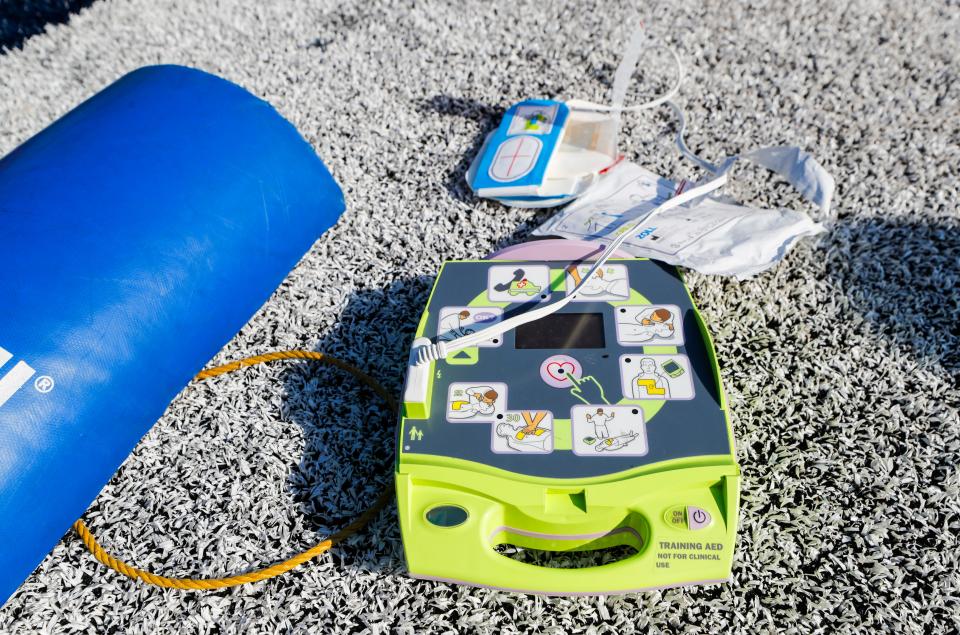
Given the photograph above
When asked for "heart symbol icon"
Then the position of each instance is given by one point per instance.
(560, 370)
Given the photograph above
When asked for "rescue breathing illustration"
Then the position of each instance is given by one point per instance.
(653, 324)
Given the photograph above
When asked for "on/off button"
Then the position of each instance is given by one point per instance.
(687, 517)
(697, 518)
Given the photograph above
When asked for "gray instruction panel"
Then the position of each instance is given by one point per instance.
(621, 377)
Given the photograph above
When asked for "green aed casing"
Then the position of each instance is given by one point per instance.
(601, 425)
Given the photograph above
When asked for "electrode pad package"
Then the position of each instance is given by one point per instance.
(713, 234)
(546, 153)
(543, 154)
(140, 232)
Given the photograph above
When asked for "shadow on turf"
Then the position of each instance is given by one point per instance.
(348, 429)
(487, 119)
(20, 20)
(904, 278)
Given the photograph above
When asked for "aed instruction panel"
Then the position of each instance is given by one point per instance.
(621, 377)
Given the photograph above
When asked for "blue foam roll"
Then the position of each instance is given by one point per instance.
(138, 234)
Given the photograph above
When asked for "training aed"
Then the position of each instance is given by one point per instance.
(585, 413)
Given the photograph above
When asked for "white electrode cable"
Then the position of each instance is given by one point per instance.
(682, 144)
(441, 349)
(631, 56)
(798, 167)
(589, 106)
(621, 79)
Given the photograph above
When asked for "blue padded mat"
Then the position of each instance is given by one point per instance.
(138, 233)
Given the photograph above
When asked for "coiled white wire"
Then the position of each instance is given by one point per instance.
(638, 41)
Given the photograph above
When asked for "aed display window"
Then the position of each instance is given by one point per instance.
(562, 330)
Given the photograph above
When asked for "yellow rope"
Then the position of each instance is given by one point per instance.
(282, 567)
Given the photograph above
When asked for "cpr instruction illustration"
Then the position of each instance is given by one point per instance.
(476, 402)
(527, 431)
(610, 283)
(656, 377)
(457, 321)
(659, 325)
(600, 431)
